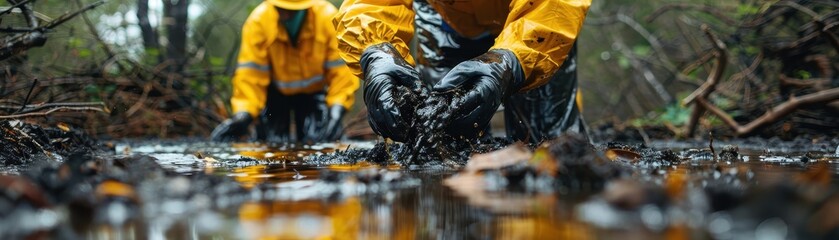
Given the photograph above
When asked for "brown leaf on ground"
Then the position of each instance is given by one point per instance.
(615, 154)
(511, 155)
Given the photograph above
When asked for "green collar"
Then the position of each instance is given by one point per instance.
(294, 24)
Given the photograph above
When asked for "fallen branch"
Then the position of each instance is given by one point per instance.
(48, 112)
(36, 38)
(710, 84)
(17, 5)
(36, 107)
(817, 84)
(773, 114)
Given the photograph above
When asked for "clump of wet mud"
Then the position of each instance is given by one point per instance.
(405, 154)
(568, 164)
(428, 142)
(21, 142)
(427, 139)
(582, 167)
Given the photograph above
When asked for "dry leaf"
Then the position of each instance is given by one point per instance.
(616, 154)
(508, 156)
(63, 127)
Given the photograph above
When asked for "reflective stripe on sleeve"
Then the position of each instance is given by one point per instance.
(334, 63)
(302, 83)
(253, 65)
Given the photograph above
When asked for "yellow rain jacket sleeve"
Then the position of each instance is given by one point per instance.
(361, 23)
(252, 76)
(541, 33)
(342, 83)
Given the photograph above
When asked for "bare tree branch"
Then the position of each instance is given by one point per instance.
(774, 114)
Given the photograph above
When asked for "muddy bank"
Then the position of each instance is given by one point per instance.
(21, 143)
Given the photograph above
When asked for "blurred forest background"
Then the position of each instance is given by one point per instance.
(162, 68)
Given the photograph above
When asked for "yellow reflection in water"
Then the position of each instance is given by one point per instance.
(311, 219)
(362, 165)
(541, 228)
(249, 176)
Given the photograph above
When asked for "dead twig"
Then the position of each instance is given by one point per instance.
(773, 114)
(28, 94)
(711, 145)
(710, 84)
(48, 112)
(36, 38)
(16, 5)
(817, 84)
(25, 135)
(37, 107)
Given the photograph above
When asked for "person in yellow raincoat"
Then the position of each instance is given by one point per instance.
(289, 62)
(520, 52)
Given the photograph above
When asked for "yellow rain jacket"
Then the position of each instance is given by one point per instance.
(268, 57)
(539, 32)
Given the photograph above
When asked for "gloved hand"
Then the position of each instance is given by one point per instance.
(384, 71)
(479, 86)
(232, 128)
(333, 129)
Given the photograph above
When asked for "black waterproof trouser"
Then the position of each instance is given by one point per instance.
(536, 115)
(307, 110)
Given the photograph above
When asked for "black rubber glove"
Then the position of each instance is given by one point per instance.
(334, 129)
(232, 128)
(478, 87)
(389, 85)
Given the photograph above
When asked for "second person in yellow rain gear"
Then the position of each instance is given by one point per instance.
(289, 68)
(519, 52)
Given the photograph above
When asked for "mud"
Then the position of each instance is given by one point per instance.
(428, 141)
(21, 142)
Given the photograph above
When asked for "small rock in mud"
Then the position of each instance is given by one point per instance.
(730, 153)
(581, 167)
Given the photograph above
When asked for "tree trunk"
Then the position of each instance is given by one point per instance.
(175, 13)
(149, 34)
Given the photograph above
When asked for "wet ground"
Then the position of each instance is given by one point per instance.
(759, 189)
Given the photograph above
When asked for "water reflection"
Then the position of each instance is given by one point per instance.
(292, 197)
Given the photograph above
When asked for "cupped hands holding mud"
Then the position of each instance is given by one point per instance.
(477, 87)
(390, 88)
(458, 106)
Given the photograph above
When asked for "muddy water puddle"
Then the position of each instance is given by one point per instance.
(294, 197)
(258, 191)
